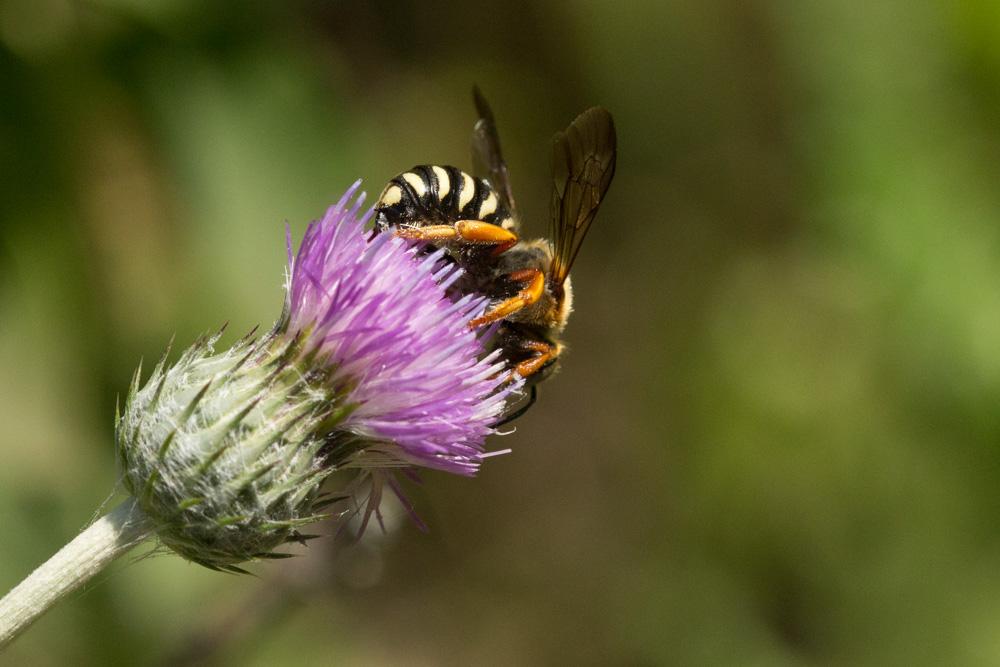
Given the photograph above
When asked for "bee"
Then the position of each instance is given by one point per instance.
(475, 219)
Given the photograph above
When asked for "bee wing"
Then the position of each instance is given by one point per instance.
(486, 156)
(583, 164)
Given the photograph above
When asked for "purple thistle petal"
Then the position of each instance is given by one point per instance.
(379, 314)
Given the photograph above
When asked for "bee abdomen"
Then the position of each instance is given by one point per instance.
(432, 194)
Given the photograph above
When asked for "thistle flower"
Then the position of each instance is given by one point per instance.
(371, 367)
(376, 313)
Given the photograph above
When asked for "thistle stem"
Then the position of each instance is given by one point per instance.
(71, 567)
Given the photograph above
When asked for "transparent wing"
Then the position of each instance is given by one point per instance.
(486, 156)
(583, 164)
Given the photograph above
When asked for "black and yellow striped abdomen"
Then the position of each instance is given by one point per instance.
(438, 195)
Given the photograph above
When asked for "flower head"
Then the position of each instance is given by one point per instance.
(378, 313)
(371, 365)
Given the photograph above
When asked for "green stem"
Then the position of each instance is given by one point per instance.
(71, 567)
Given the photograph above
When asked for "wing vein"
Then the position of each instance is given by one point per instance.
(583, 165)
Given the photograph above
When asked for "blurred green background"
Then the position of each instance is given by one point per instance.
(776, 439)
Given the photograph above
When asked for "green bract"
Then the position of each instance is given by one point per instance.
(224, 452)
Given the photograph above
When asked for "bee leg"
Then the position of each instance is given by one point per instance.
(431, 233)
(469, 232)
(544, 353)
(535, 287)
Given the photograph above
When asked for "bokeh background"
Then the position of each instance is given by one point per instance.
(776, 439)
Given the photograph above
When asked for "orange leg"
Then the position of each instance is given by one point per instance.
(473, 232)
(535, 287)
(544, 353)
